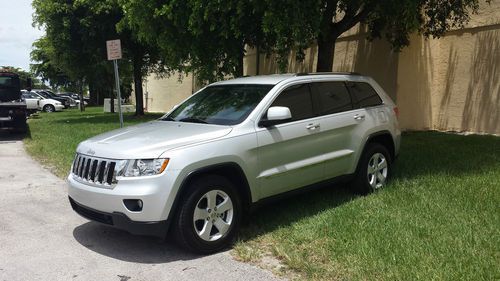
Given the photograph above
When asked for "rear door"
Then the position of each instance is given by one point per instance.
(338, 136)
(289, 153)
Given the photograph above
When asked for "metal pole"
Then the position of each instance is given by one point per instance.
(117, 78)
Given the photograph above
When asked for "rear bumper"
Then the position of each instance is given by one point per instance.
(121, 221)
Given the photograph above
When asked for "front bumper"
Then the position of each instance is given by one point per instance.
(121, 221)
(59, 107)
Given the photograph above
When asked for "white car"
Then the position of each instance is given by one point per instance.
(48, 105)
(231, 146)
(32, 101)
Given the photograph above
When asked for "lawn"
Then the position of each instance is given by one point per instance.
(439, 219)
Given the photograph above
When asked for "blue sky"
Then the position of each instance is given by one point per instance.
(16, 33)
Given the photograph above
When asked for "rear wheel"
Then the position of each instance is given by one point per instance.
(373, 170)
(49, 108)
(209, 216)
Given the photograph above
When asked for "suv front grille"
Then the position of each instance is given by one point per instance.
(93, 170)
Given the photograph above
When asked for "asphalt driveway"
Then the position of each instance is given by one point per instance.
(41, 238)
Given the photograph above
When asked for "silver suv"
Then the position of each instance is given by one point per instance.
(200, 167)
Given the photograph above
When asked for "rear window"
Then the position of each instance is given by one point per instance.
(364, 94)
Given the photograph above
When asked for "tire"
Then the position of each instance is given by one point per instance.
(370, 177)
(198, 231)
(49, 108)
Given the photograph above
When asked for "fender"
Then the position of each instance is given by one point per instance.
(219, 168)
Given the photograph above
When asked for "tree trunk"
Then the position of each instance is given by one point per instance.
(326, 51)
(82, 102)
(139, 100)
(239, 67)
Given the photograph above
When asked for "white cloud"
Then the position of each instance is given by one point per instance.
(17, 33)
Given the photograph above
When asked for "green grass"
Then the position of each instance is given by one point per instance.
(53, 137)
(439, 219)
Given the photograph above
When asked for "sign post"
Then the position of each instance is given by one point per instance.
(114, 50)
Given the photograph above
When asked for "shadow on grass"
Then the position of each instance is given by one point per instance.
(421, 154)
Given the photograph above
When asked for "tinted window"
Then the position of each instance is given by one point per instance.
(364, 94)
(222, 105)
(298, 99)
(43, 94)
(333, 97)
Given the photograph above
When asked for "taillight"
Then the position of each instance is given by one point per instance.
(396, 111)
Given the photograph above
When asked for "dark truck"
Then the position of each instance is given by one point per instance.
(13, 110)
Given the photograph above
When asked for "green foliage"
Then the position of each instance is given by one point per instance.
(73, 50)
(200, 36)
(209, 37)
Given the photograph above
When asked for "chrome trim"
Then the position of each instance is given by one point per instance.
(83, 171)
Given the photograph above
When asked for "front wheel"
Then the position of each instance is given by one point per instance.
(209, 216)
(374, 169)
(49, 108)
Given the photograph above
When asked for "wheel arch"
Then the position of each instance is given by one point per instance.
(230, 170)
(384, 138)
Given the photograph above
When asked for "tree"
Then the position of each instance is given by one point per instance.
(296, 25)
(205, 37)
(76, 35)
(44, 67)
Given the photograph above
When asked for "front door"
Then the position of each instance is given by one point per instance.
(288, 155)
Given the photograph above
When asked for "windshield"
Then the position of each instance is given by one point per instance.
(44, 94)
(221, 105)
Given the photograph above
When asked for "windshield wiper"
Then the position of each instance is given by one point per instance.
(193, 120)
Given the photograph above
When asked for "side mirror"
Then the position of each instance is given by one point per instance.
(276, 115)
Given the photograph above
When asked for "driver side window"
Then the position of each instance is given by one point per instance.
(298, 99)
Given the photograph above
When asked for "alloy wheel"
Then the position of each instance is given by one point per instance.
(377, 170)
(213, 215)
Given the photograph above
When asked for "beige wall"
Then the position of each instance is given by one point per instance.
(161, 94)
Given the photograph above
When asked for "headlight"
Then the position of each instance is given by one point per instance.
(58, 103)
(144, 167)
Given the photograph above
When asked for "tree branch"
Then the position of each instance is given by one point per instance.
(350, 19)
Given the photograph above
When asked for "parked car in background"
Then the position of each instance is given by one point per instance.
(232, 145)
(50, 95)
(32, 101)
(48, 104)
(76, 97)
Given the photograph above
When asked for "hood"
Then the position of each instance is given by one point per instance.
(149, 140)
(51, 101)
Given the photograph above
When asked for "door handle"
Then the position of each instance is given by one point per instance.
(312, 126)
(359, 117)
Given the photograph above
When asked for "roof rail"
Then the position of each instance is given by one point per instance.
(327, 73)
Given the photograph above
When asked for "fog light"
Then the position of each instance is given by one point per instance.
(133, 205)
